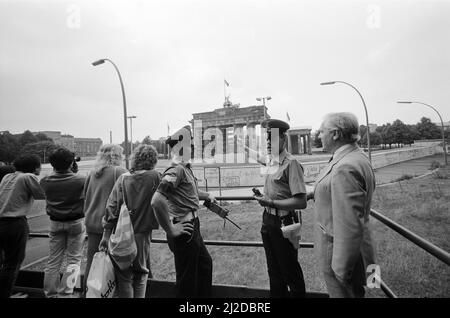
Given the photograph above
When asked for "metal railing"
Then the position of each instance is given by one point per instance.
(429, 247)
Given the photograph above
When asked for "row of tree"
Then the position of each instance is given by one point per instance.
(13, 146)
(396, 133)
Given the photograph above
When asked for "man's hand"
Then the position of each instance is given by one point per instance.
(212, 198)
(264, 201)
(181, 228)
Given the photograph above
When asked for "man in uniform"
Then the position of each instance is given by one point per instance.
(284, 192)
(175, 203)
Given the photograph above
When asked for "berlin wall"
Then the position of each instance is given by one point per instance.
(253, 175)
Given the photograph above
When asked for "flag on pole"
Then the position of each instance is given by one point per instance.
(226, 83)
(288, 118)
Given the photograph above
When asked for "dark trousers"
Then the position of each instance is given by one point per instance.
(13, 240)
(193, 264)
(285, 274)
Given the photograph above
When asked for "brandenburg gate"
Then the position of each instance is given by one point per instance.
(233, 129)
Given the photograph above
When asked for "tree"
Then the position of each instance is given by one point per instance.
(9, 147)
(317, 142)
(428, 130)
(375, 139)
(386, 138)
(399, 132)
(42, 137)
(27, 137)
(41, 148)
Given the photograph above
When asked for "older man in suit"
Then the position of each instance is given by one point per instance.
(343, 194)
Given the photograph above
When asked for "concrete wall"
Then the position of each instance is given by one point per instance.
(249, 176)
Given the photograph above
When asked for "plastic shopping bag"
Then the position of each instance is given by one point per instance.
(122, 246)
(101, 281)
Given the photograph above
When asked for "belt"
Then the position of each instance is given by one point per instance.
(188, 217)
(276, 212)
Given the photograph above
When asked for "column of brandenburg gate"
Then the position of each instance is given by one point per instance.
(228, 123)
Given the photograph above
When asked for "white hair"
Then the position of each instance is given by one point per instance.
(346, 123)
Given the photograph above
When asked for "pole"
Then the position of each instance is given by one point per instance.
(442, 127)
(131, 133)
(110, 137)
(264, 104)
(125, 128)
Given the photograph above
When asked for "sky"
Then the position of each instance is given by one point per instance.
(174, 55)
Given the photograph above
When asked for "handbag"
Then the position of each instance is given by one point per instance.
(122, 245)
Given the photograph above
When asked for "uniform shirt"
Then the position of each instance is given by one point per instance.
(18, 191)
(286, 179)
(64, 196)
(182, 193)
(139, 189)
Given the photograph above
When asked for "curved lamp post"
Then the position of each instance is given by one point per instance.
(124, 106)
(365, 109)
(442, 124)
(263, 99)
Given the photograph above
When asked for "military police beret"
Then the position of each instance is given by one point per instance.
(275, 123)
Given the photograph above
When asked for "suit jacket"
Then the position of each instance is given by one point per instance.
(343, 194)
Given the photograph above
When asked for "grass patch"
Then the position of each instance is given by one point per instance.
(422, 206)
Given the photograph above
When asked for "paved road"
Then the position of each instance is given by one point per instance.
(39, 222)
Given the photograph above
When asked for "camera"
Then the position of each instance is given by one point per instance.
(74, 167)
(257, 192)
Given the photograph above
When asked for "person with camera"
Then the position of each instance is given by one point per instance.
(176, 203)
(18, 190)
(65, 200)
(284, 192)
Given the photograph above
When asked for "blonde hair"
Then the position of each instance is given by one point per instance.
(108, 155)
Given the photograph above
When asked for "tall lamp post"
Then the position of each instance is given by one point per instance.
(442, 124)
(131, 131)
(365, 109)
(263, 99)
(101, 61)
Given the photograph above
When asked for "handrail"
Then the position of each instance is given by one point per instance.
(207, 242)
(429, 247)
(412, 237)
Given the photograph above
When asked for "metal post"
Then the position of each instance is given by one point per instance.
(124, 106)
(442, 125)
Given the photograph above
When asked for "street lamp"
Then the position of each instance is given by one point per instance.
(264, 103)
(442, 124)
(101, 61)
(365, 109)
(131, 131)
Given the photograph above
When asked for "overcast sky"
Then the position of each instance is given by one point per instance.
(174, 56)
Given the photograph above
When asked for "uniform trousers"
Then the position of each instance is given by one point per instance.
(193, 264)
(285, 273)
